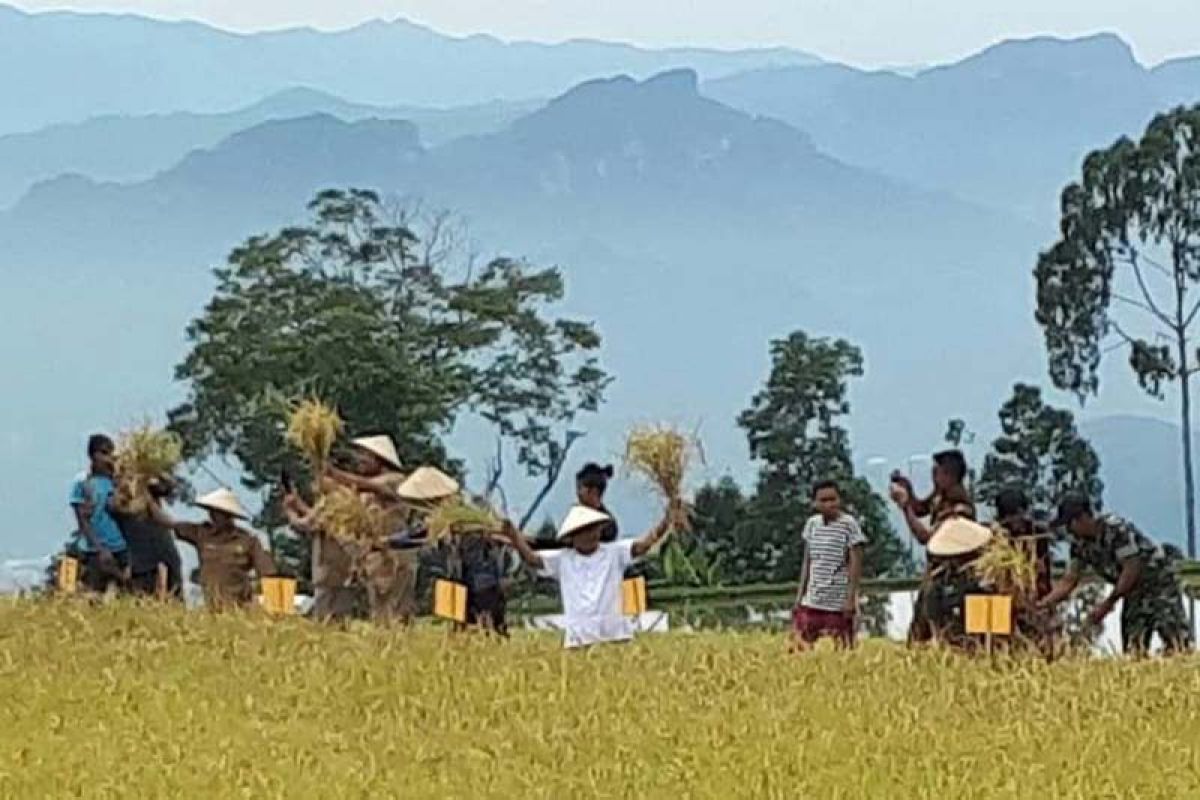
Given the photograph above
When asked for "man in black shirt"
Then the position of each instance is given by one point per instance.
(151, 544)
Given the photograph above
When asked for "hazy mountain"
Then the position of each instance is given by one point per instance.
(693, 233)
(131, 148)
(77, 66)
(1007, 127)
(1143, 478)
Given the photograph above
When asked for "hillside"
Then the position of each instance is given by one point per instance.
(77, 66)
(1007, 127)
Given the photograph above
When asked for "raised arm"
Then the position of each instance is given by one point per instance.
(675, 513)
(518, 542)
(380, 489)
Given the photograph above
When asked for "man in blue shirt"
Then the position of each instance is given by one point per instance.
(105, 556)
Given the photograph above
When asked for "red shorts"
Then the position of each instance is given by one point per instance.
(811, 624)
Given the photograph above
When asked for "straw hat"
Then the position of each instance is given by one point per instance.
(957, 537)
(381, 446)
(581, 517)
(428, 483)
(223, 500)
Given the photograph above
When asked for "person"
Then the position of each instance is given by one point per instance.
(590, 572)
(1013, 519)
(338, 593)
(591, 483)
(230, 556)
(101, 543)
(151, 545)
(827, 602)
(950, 499)
(955, 546)
(1141, 573)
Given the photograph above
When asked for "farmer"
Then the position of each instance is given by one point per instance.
(338, 595)
(151, 545)
(1141, 572)
(229, 555)
(1013, 519)
(105, 554)
(590, 572)
(955, 545)
(827, 603)
(948, 500)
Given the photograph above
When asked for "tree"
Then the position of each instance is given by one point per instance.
(1125, 269)
(1040, 450)
(794, 429)
(382, 312)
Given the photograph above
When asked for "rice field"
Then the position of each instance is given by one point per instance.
(127, 701)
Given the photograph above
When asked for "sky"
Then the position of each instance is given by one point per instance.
(869, 33)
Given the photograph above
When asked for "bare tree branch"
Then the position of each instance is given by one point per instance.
(552, 474)
(1141, 280)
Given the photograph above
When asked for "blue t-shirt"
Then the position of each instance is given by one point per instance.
(97, 490)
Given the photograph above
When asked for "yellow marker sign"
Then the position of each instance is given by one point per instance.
(450, 600)
(989, 614)
(68, 575)
(633, 597)
(279, 595)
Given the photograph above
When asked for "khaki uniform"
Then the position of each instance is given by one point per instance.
(336, 595)
(227, 559)
(388, 576)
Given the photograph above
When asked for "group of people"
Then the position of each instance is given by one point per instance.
(123, 550)
(1142, 573)
(379, 579)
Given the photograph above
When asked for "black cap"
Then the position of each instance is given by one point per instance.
(1071, 508)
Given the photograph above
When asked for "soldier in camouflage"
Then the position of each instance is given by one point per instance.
(1142, 574)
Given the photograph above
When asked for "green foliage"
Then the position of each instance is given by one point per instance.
(381, 313)
(795, 431)
(1040, 450)
(1124, 273)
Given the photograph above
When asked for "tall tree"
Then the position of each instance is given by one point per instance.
(382, 312)
(794, 427)
(1040, 450)
(1125, 271)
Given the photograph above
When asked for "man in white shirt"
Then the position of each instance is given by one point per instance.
(590, 572)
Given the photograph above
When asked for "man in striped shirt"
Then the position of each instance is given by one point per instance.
(827, 603)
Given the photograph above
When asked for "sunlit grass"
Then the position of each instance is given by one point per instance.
(151, 702)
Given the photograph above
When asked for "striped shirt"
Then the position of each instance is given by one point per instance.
(828, 551)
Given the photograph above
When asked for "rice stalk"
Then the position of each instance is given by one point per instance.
(344, 514)
(456, 518)
(662, 456)
(313, 428)
(1007, 566)
(144, 454)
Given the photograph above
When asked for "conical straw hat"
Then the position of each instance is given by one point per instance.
(581, 517)
(223, 500)
(956, 537)
(428, 483)
(381, 446)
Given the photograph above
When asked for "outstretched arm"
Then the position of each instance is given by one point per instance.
(673, 517)
(514, 538)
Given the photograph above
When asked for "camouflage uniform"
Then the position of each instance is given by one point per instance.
(932, 612)
(944, 599)
(1156, 603)
(227, 558)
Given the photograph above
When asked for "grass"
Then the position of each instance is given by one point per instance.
(124, 701)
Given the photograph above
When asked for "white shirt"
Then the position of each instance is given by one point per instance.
(591, 592)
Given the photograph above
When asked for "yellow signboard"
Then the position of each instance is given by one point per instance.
(989, 614)
(279, 595)
(68, 575)
(633, 597)
(450, 600)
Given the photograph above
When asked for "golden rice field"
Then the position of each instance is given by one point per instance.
(123, 701)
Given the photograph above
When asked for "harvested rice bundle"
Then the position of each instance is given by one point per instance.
(144, 454)
(312, 429)
(344, 514)
(1009, 567)
(456, 518)
(662, 455)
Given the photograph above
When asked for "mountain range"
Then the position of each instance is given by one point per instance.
(1007, 127)
(75, 66)
(693, 221)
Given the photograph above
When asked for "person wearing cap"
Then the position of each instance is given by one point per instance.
(1140, 571)
(337, 567)
(105, 552)
(1013, 519)
(229, 555)
(590, 572)
(950, 499)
